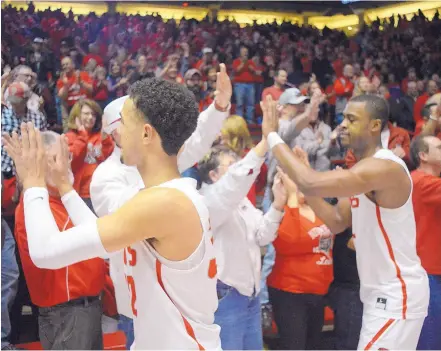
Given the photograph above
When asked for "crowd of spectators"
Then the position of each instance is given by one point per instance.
(61, 70)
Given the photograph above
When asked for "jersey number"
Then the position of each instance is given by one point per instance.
(130, 281)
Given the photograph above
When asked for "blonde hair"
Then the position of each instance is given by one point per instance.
(76, 113)
(236, 131)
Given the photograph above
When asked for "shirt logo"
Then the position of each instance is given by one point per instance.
(355, 202)
(381, 303)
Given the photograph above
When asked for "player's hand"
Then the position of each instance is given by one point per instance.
(270, 116)
(301, 155)
(399, 151)
(280, 193)
(224, 89)
(28, 155)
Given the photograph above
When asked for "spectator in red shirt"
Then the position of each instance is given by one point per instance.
(206, 62)
(425, 154)
(100, 87)
(244, 91)
(279, 86)
(258, 77)
(72, 86)
(432, 89)
(68, 298)
(343, 88)
(93, 54)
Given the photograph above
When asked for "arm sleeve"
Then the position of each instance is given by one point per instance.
(232, 188)
(268, 226)
(48, 247)
(199, 143)
(78, 147)
(77, 209)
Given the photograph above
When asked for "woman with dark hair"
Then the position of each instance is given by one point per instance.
(88, 144)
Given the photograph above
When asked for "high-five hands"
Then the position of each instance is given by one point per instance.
(270, 116)
(28, 155)
(280, 193)
(224, 89)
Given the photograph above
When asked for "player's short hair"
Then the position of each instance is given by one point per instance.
(169, 107)
(419, 144)
(211, 161)
(376, 106)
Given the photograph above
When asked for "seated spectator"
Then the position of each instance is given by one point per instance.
(402, 111)
(88, 143)
(193, 82)
(236, 136)
(426, 157)
(68, 298)
(301, 274)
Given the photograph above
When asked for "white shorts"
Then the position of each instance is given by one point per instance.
(379, 333)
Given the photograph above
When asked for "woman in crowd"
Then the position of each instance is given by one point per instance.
(239, 230)
(301, 274)
(236, 135)
(117, 84)
(88, 144)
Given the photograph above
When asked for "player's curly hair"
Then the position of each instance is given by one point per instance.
(169, 107)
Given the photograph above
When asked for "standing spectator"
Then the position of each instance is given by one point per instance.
(10, 276)
(343, 88)
(193, 82)
(322, 68)
(411, 77)
(426, 157)
(402, 115)
(145, 68)
(93, 55)
(88, 143)
(239, 229)
(40, 61)
(236, 136)
(362, 86)
(315, 141)
(100, 87)
(301, 274)
(68, 298)
(117, 84)
(72, 86)
(432, 89)
(244, 70)
(206, 62)
(258, 77)
(278, 88)
(14, 114)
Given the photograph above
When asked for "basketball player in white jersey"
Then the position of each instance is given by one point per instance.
(377, 202)
(164, 230)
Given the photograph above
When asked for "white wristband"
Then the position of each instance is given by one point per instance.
(274, 139)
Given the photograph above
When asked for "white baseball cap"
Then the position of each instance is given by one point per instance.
(112, 114)
(292, 96)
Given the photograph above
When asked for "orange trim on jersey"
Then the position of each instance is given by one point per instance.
(392, 256)
(187, 324)
(379, 334)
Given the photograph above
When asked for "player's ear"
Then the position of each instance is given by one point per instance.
(147, 136)
(376, 126)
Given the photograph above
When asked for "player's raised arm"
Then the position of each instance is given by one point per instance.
(370, 174)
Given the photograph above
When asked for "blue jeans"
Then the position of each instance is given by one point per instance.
(270, 256)
(10, 275)
(430, 338)
(125, 324)
(239, 318)
(259, 90)
(244, 93)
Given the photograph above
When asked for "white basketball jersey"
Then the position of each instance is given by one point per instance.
(173, 302)
(393, 284)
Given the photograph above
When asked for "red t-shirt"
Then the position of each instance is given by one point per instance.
(50, 287)
(75, 92)
(303, 255)
(244, 75)
(97, 58)
(427, 208)
(274, 91)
